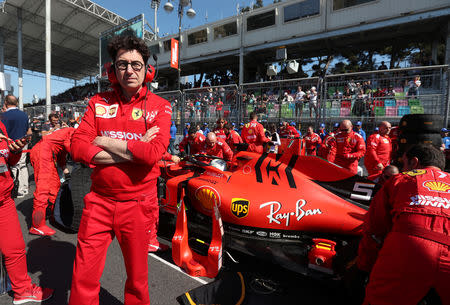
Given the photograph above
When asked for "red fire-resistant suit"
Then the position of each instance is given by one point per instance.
(194, 144)
(253, 134)
(408, 220)
(232, 139)
(123, 197)
(350, 147)
(220, 133)
(289, 132)
(220, 149)
(11, 240)
(327, 149)
(311, 142)
(44, 156)
(379, 150)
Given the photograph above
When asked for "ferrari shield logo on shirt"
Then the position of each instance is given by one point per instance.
(136, 114)
(106, 111)
(416, 172)
(239, 207)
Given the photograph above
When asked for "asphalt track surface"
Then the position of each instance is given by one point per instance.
(50, 262)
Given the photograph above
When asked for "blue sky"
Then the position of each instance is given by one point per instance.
(207, 11)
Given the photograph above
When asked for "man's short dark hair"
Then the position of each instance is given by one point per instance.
(128, 43)
(11, 100)
(192, 130)
(427, 155)
(253, 115)
(52, 115)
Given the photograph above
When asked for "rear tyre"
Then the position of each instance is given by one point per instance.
(421, 123)
(406, 140)
(72, 197)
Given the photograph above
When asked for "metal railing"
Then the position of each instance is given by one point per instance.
(369, 97)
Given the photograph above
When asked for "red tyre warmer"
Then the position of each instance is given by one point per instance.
(409, 217)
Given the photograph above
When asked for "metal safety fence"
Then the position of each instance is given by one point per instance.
(374, 96)
(369, 97)
(208, 104)
(66, 110)
(275, 101)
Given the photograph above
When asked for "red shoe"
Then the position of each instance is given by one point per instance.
(34, 294)
(43, 230)
(158, 248)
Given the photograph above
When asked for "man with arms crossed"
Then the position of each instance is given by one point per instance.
(114, 136)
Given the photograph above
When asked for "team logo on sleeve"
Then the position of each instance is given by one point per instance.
(100, 110)
(437, 186)
(416, 172)
(113, 110)
(105, 111)
(137, 113)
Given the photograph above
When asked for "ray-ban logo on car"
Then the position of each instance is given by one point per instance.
(239, 207)
(298, 213)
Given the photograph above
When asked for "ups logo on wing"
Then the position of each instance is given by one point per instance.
(239, 207)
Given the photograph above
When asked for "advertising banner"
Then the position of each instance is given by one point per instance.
(134, 26)
(174, 53)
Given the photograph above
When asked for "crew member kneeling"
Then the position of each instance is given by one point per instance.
(114, 135)
(408, 223)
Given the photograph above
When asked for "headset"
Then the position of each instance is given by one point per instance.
(149, 74)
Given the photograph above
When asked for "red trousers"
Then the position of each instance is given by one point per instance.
(102, 220)
(47, 182)
(13, 247)
(408, 266)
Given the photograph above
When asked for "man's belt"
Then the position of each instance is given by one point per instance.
(440, 238)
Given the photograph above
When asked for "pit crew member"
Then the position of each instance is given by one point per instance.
(327, 149)
(215, 146)
(219, 130)
(45, 156)
(195, 141)
(349, 146)
(253, 134)
(123, 198)
(233, 137)
(12, 245)
(312, 141)
(379, 149)
(406, 232)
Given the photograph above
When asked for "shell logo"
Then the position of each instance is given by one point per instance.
(436, 186)
(208, 197)
(100, 110)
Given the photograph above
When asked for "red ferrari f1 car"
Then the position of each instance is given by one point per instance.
(300, 212)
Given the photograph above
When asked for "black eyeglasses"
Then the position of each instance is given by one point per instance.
(123, 65)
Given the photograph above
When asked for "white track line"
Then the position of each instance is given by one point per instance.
(177, 268)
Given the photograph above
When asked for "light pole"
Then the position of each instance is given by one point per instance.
(168, 7)
(155, 5)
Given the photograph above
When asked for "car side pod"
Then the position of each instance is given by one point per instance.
(321, 255)
(191, 262)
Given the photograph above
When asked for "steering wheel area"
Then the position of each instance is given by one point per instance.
(196, 159)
